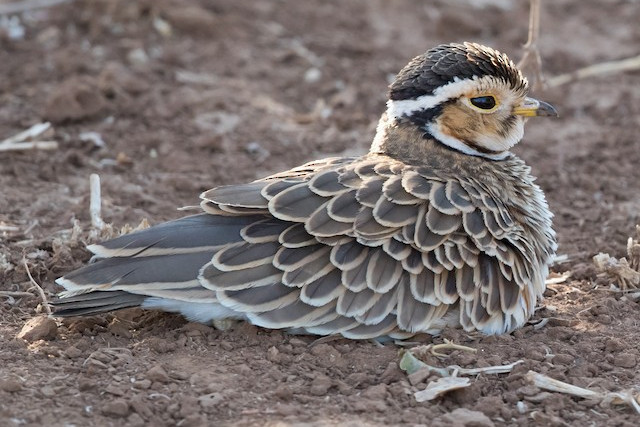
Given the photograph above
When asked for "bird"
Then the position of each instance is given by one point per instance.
(438, 225)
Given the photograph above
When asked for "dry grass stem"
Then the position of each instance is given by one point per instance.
(448, 345)
(441, 386)
(34, 131)
(560, 259)
(628, 64)
(27, 5)
(410, 364)
(95, 202)
(43, 297)
(542, 323)
(496, 369)
(450, 375)
(558, 278)
(8, 228)
(31, 145)
(19, 141)
(550, 384)
(15, 294)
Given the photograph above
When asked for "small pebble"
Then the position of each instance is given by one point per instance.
(158, 374)
(312, 75)
(563, 359)
(297, 342)
(378, 391)
(194, 420)
(39, 328)
(273, 354)
(210, 400)
(73, 352)
(419, 376)
(137, 57)
(528, 390)
(135, 420)
(320, 385)
(466, 417)
(625, 360)
(142, 384)
(47, 391)
(10, 385)
(116, 408)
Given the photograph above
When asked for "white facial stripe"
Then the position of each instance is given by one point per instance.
(454, 89)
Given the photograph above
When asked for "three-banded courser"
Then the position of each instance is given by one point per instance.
(439, 224)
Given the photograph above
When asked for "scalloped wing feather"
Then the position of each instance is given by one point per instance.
(362, 246)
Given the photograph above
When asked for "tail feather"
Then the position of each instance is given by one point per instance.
(189, 234)
(95, 302)
(157, 271)
(163, 261)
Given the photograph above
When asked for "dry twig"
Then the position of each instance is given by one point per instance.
(43, 297)
(624, 271)
(531, 46)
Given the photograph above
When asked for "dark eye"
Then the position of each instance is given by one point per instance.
(483, 102)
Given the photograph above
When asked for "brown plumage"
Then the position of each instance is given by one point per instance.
(437, 225)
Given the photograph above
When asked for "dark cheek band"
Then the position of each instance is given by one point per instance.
(479, 148)
(507, 125)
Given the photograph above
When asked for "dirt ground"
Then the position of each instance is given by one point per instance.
(186, 95)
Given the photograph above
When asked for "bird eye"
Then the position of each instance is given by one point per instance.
(483, 102)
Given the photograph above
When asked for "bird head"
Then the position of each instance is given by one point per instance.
(468, 97)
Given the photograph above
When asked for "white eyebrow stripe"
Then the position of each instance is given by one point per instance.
(406, 107)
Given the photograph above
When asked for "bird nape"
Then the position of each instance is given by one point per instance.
(437, 225)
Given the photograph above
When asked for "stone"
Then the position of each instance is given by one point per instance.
(158, 374)
(625, 360)
(210, 400)
(10, 385)
(378, 391)
(39, 328)
(464, 417)
(72, 352)
(116, 408)
(320, 385)
(273, 355)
